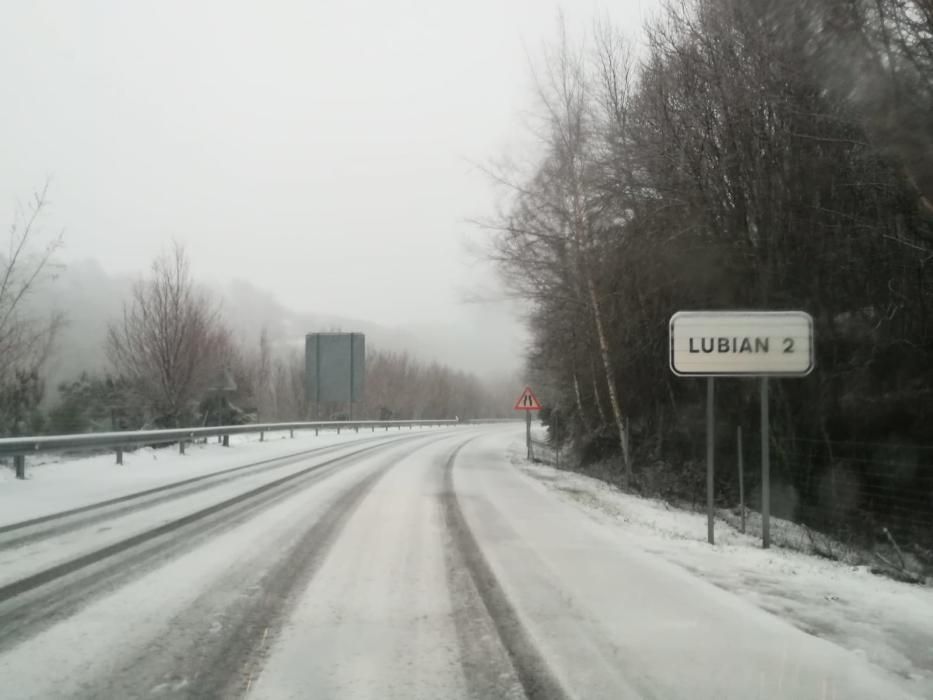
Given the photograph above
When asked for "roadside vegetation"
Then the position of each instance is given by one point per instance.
(173, 359)
(745, 154)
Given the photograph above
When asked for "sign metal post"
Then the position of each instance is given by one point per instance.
(710, 457)
(765, 468)
(741, 344)
(528, 402)
(738, 441)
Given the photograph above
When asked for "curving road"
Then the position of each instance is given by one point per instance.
(418, 566)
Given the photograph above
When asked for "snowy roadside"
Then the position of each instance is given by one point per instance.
(59, 482)
(888, 623)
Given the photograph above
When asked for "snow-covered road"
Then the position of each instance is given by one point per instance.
(416, 566)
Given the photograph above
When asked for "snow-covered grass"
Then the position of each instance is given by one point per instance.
(889, 623)
(58, 482)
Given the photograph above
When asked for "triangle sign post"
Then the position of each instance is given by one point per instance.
(528, 402)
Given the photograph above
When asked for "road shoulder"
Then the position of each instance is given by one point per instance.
(883, 621)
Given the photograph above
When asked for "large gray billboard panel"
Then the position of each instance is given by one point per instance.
(335, 366)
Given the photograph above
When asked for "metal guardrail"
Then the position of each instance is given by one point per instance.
(19, 447)
(480, 421)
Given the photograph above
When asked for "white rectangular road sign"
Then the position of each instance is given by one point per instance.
(741, 343)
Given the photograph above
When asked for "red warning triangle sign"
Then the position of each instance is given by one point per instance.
(527, 401)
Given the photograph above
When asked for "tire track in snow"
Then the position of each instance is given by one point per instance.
(31, 604)
(27, 531)
(218, 644)
(488, 674)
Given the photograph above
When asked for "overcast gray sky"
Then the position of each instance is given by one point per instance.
(319, 149)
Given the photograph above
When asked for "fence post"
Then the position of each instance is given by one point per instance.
(181, 447)
(119, 455)
(357, 429)
(291, 433)
(19, 463)
(262, 436)
(226, 441)
(738, 438)
(315, 432)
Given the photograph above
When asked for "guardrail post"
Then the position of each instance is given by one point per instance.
(220, 439)
(315, 432)
(119, 455)
(226, 441)
(181, 447)
(338, 430)
(19, 463)
(357, 428)
(374, 428)
(291, 433)
(262, 436)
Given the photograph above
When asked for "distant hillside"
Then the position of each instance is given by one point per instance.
(89, 298)
(484, 346)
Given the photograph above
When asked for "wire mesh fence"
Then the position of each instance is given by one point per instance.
(542, 451)
(852, 499)
(863, 502)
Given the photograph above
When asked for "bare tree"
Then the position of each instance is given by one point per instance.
(288, 387)
(763, 154)
(25, 340)
(399, 386)
(552, 244)
(878, 56)
(170, 342)
(26, 337)
(252, 368)
(265, 388)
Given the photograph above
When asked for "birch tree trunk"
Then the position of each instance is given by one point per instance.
(598, 401)
(610, 380)
(579, 398)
